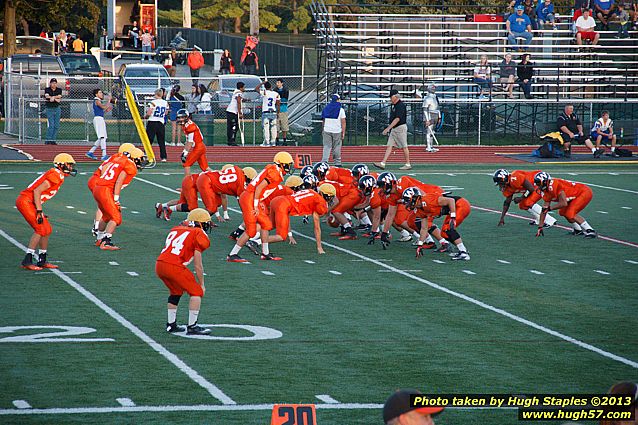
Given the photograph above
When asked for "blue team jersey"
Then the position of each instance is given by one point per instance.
(97, 111)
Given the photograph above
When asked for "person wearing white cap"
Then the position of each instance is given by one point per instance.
(334, 130)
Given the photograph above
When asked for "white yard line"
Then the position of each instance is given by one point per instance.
(464, 297)
(602, 272)
(132, 273)
(605, 238)
(191, 373)
(610, 188)
(21, 404)
(125, 402)
(267, 273)
(631, 261)
(326, 399)
(470, 272)
(334, 272)
(503, 261)
(309, 261)
(114, 263)
(438, 261)
(567, 262)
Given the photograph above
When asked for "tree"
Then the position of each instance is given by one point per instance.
(300, 17)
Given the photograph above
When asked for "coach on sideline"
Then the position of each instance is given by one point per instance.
(334, 130)
(398, 410)
(397, 131)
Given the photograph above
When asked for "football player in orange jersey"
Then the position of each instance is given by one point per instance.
(230, 181)
(292, 185)
(254, 211)
(436, 204)
(301, 203)
(30, 202)
(124, 149)
(521, 182)
(184, 243)
(194, 148)
(570, 198)
(187, 199)
(391, 189)
(116, 175)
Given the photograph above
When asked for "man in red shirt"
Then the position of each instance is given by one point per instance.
(570, 198)
(185, 243)
(194, 149)
(116, 175)
(30, 202)
(195, 63)
(521, 182)
(253, 209)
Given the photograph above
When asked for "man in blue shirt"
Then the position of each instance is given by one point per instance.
(604, 12)
(519, 25)
(282, 116)
(545, 14)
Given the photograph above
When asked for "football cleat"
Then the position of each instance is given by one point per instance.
(43, 264)
(270, 257)
(364, 227)
(167, 214)
(105, 157)
(589, 233)
(91, 155)
(575, 232)
(462, 255)
(30, 267)
(445, 247)
(107, 245)
(94, 232)
(341, 232)
(158, 210)
(235, 259)
(235, 234)
(195, 329)
(426, 245)
(174, 327)
(253, 247)
(406, 238)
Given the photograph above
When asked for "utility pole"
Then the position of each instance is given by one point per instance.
(186, 17)
(254, 17)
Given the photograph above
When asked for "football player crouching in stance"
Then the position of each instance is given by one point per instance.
(520, 182)
(430, 205)
(125, 149)
(185, 243)
(570, 198)
(30, 202)
(303, 202)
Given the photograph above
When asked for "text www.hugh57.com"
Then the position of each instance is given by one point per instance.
(572, 415)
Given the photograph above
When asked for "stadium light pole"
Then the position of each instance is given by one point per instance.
(254, 17)
(186, 17)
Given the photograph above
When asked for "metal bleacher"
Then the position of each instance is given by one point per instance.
(367, 54)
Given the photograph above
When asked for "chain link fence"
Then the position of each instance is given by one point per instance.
(465, 121)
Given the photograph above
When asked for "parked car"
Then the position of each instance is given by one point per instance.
(143, 79)
(222, 89)
(29, 44)
(73, 72)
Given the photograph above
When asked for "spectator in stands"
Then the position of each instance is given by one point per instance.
(398, 410)
(204, 106)
(193, 99)
(53, 97)
(545, 14)
(519, 25)
(334, 130)
(508, 74)
(282, 116)
(604, 12)
(525, 72)
(62, 42)
(603, 131)
(483, 77)
(175, 103)
(251, 62)
(530, 11)
(624, 21)
(195, 63)
(134, 33)
(632, 8)
(571, 131)
(147, 43)
(579, 7)
(397, 131)
(226, 65)
(585, 26)
(170, 63)
(78, 45)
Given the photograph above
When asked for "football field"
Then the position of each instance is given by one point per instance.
(87, 343)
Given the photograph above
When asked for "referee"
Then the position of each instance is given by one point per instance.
(156, 115)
